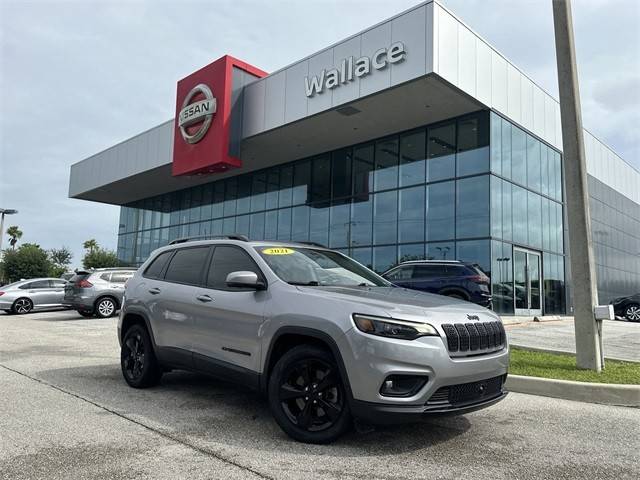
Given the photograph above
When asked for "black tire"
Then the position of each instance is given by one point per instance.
(8, 312)
(85, 313)
(138, 361)
(105, 307)
(319, 414)
(632, 312)
(21, 306)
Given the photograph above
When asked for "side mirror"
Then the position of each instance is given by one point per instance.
(244, 279)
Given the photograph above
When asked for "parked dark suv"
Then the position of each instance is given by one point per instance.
(445, 277)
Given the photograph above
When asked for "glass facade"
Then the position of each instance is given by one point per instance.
(470, 188)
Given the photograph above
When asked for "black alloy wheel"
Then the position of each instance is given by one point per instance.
(632, 312)
(137, 359)
(22, 306)
(307, 395)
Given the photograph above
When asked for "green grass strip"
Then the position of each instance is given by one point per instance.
(563, 367)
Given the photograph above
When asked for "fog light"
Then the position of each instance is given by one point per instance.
(402, 385)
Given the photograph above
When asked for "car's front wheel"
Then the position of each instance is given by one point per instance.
(307, 395)
(632, 312)
(105, 307)
(138, 361)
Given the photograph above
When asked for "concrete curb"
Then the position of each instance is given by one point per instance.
(566, 352)
(604, 393)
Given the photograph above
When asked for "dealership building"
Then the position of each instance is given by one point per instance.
(412, 139)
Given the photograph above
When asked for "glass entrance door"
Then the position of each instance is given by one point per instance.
(527, 282)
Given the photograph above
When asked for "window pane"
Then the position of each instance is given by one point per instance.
(496, 144)
(186, 265)
(218, 200)
(321, 179)
(341, 173)
(475, 251)
(385, 217)
(412, 251)
(319, 224)
(301, 180)
(441, 149)
(363, 170)
(440, 211)
(339, 225)
(243, 204)
(544, 167)
(518, 156)
(230, 196)
(472, 207)
(506, 148)
(256, 226)
(412, 158)
(411, 215)
(440, 251)
(226, 260)
(501, 282)
(507, 227)
(258, 189)
(519, 215)
(242, 225)
(284, 224)
(473, 145)
(533, 164)
(273, 187)
(384, 258)
(285, 196)
(362, 221)
(363, 256)
(271, 225)
(300, 225)
(535, 219)
(207, 201)
(196, 202)
(386, 175)
(496, 207)
(229, 226)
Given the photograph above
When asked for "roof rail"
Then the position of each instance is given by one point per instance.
(313, 244)
(233, 236)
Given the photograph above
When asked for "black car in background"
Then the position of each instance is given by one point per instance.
(445, 277)
(627, 307)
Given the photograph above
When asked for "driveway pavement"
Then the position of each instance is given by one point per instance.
(621, 338)
(66, 413)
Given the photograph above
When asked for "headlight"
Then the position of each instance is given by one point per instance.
(393, 328)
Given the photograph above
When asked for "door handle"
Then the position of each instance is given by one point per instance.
(154, 291)
(204, 298)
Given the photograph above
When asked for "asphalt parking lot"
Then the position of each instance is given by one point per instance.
(66, 413)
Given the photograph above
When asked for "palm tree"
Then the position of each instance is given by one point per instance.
(14, 235)
(90, 245)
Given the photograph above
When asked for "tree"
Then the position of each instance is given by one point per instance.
(60, 258)
(15, 234)
(91, 245)
(28, 261)
(100, 258)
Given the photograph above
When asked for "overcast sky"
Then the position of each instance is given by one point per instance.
(79, 76)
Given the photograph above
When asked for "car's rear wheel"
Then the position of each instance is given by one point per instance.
(105, 307)
(85, 313)
(632, 312)
(139, 365)
(307, 395)
(22, 306)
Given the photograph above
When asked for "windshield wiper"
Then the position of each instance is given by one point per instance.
(312, 283)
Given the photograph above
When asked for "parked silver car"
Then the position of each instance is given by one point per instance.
(325, 338)
(33, 294)
(97, 292)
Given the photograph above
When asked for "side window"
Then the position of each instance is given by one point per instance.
(58, 283)
(227, 259)
(157, 266)
(429, 271)
(401, 273)
(27, 286)
(106, 277)
(186, 265)
(121, 277)
(36, 284)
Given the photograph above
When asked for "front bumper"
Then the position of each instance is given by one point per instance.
(369, 360)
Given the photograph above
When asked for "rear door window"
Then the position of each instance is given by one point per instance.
(227, 259)
(186, 266)
(430, 271)
(36, 284)
(157, 265)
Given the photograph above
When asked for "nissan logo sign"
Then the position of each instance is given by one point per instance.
(197, 112)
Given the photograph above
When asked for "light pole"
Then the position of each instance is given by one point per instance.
(3, 212)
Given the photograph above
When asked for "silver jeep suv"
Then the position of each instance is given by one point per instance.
(326, 339)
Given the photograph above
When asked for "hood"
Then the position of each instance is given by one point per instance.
(405, 304)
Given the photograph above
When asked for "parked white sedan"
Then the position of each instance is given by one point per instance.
(33, 294)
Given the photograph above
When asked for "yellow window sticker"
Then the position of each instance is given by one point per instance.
(278, 251)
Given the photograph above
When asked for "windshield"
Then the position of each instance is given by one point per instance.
(311, 267)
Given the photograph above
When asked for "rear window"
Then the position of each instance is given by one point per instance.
(186, 265)
(157, 265)
(78, 276)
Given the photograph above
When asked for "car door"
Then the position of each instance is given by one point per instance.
(117, 283)
(39, 292)
(400, 276)
(429, 278)
(170, 301)
(57, 287)
(229, 319)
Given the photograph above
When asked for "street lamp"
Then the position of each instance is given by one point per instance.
(3, 212)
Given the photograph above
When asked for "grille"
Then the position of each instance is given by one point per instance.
(474, 337)
(467, 393)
